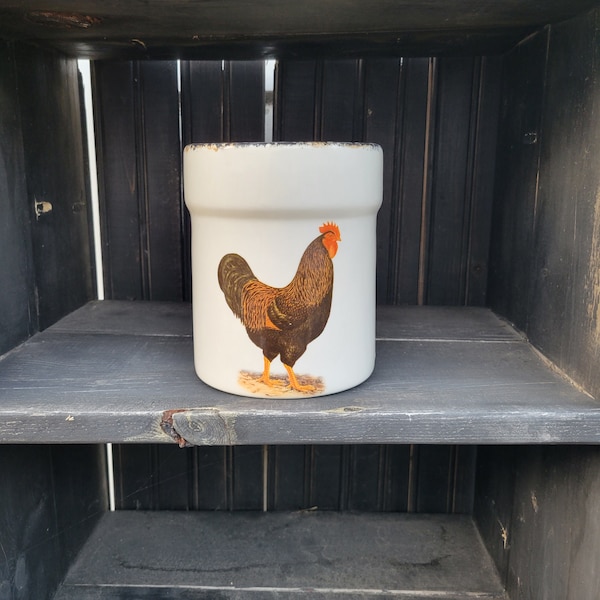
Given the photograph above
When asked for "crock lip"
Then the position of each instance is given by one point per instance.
(280, 144)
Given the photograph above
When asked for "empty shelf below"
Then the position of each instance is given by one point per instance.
(304, 554)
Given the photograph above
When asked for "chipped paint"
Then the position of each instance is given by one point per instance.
(217, 146)
(593, 283)
(534, 502)
(503, 535)
(345, 410)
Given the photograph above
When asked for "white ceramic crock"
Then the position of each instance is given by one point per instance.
(266, 203)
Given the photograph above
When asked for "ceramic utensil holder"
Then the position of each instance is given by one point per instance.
(283, 265)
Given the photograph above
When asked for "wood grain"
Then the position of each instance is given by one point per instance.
(282, 555)
(80, 386)
(233, 28)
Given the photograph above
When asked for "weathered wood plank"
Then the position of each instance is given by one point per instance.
(537, 511)
(90, 387)
(50, 109)
(283, 555)
(51, 497)
(515, 202)
(17, 299)
(233, 27)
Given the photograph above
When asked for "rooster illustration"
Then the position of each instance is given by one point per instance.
(283, 321)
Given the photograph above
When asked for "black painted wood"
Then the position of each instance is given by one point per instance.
(49, 101)
(459, 211)
(28, 529)
(137, 122)
(70, 384)
(233, 28)
(537, 511)
(481, 176)
(519, 136)
(17, 290)
(282, 555)
(400, 234)
(565, 320)
(546, 244)
(436, 122)
(493, 508)
(50, 500)
(45, 272)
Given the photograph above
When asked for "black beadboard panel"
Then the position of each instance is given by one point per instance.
(247, 478)
(297, 88)
(537, 512)
(202, 101)
(153, 477)
(47, 266)
(288, 483)
(341, 109)
(436, 122)
(434, 119)
(546, 255)
(209, 477)
(399, 238)
(447, 259)
(366, 477)
(511, 250)
(28, 528)
(55, 168)
(116, 124)
(395, 482)
(327, 471)
(565, 314)
(51, 498)
(18, 318)
(137, 123)
(381, 101)
(80, 495)
(246, 99)
(481, 176)
(222, 101)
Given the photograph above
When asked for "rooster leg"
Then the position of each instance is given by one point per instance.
(266, 377)
(294, 384)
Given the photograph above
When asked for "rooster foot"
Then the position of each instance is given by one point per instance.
(295, 384)
(266, 377)
(271, 382)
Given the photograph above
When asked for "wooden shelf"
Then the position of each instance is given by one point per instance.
(282, 555)
(115, 371)
(186, 28)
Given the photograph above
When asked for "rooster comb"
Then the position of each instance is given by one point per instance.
(330, 227)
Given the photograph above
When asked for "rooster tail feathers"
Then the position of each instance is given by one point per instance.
(234, 273)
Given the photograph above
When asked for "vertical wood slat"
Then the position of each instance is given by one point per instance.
(546, 273)
(400, 221)
(225, 102)
(448, 214)
(17, 297)
(51, 498)
(462, 164)
(137, 120)
(511, 250)
(565, 301)
(42, 160)
(482, 178)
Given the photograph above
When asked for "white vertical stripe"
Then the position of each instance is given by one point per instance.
(84, 69)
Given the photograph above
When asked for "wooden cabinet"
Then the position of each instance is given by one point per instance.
(466, 466)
